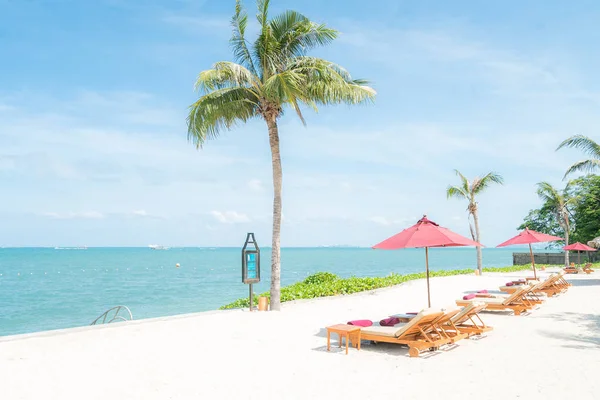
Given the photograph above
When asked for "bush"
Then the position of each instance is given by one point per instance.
(324, 284)
(320, 278)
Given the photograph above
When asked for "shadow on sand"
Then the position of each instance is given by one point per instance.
(585, 341)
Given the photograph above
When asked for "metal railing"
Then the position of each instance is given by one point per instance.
(116, 317)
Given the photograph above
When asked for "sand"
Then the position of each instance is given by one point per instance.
(552, 353)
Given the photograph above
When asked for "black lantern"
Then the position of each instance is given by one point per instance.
(250, 264)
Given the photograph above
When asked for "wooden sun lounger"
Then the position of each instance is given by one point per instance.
(532, 294)
(515, 302)
(468, 321)
(549, 287)
(555, 284)
(444, 321)
(588, 268)
(418, 334)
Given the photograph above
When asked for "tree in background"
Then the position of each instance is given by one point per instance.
(583, 212)
(468, 190)
(271, 74)
(589, 148)
(558, 202)
(586, 209)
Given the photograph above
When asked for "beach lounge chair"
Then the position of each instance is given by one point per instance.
(444, 321)
(515, 302)
(556, 284)
(419, 334)
(588, 268)
(532, 294)
(467, 321)
(549, 287)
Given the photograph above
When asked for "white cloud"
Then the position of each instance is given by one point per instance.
(380, 221)
(256, 185)
(140, 213)
(230, 217)
(74, 215)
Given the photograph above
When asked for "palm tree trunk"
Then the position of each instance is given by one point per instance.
(566, 244)
(477, 239)
(275, 247)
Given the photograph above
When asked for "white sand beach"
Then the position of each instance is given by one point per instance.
(551, 353)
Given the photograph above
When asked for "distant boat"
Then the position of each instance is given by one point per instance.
(157, 247)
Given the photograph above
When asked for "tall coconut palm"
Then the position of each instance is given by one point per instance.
(560, 202)
(468, 190)
(589, 148)
(271, 74)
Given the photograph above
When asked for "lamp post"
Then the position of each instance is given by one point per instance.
(250, 265)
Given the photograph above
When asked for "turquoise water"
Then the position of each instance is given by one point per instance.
(45, 288)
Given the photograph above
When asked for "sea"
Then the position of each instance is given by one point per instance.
(53, 288)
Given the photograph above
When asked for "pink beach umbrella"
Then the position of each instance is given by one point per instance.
(425, 233)
(527, 237)
(579, 247)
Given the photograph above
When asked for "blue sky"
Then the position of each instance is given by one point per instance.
(94, 95)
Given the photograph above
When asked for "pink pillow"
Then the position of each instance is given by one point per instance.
(510, 284)
(361, 322)
(469, 296)
(391, 321)
(482, 291)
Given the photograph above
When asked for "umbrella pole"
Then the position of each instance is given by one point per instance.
(427, 269)
(532, 262)
(579, 258)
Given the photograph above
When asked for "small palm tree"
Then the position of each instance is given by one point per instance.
(468, 190)
(589, 148)
(271, 74)
(560, 202)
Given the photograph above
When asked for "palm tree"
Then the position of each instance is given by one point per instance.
(589, 147)
(271, 74)
(560, 202)
(468, 190)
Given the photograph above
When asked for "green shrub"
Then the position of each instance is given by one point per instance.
(324, 284)
(320, 278)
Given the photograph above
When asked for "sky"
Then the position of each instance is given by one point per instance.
(94, 98)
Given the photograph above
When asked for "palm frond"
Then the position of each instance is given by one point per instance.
(238, 42)
(328, 83)
(465, 184)
(586, 166)
(225, 74)
(584, 143)
(480, 184)
(296, 34)
(218, 110)
(549, 194)
(456, 192)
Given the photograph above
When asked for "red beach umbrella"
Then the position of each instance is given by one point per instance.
(527, 237)
(425, 233)
(579, 247)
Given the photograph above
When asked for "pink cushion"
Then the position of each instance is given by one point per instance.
(361, 322)
(509, 284)
(482, 291)
(469, 296)
(391, 321)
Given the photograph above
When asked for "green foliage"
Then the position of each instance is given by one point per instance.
(324, 284)
(589, 147)
(321, 278)
(271, 74)
(583, 204)
(586, 211)
(543, 220)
